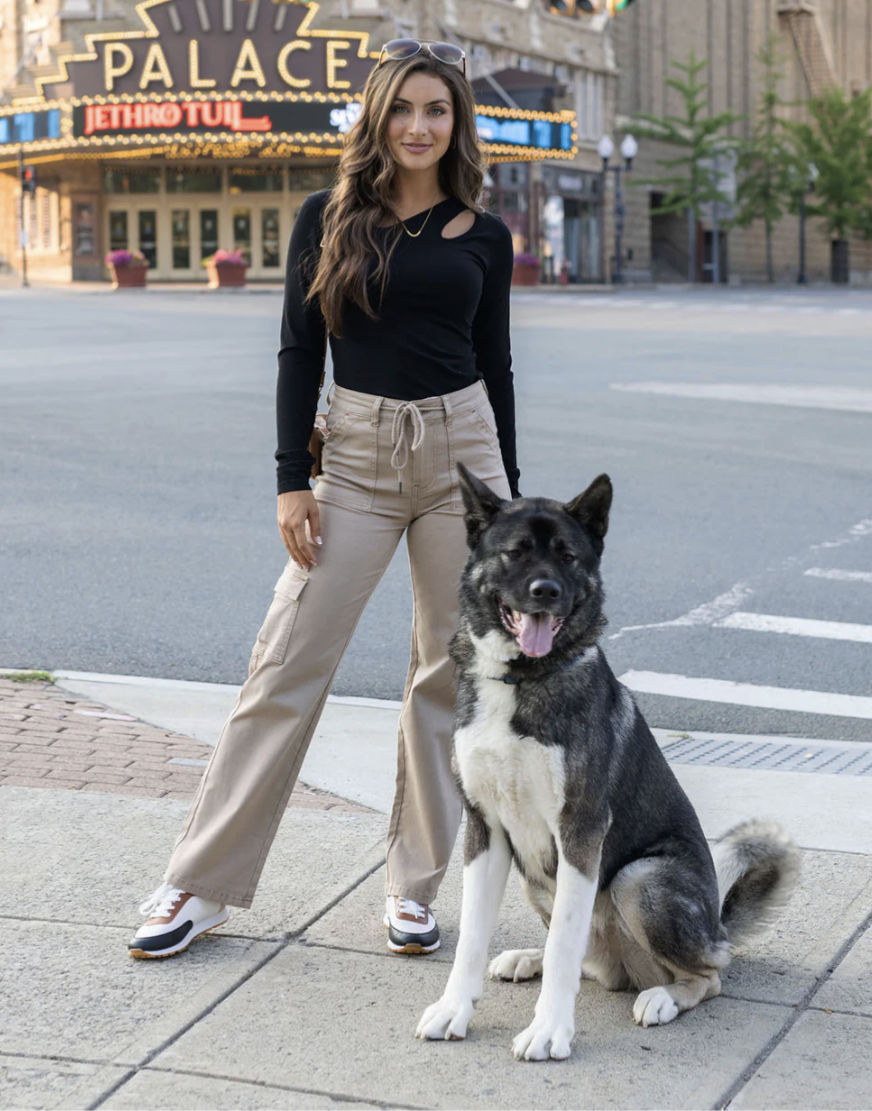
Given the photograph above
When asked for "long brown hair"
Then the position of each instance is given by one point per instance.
(360, 198)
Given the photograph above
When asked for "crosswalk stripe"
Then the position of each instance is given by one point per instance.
(796, 626)
(840, 398)
(748, 694)
(840, 576)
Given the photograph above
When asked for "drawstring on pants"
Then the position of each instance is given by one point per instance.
(400, 456)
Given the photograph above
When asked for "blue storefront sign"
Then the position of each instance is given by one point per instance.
(27, 127)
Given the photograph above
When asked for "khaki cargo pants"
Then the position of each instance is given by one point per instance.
(374, 443)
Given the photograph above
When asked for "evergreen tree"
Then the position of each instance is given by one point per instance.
(691, 184)
(767, 163)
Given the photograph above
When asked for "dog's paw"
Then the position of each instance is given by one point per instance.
(654, 1007)
(543, 1039)
(517, 965)
(446, 1020)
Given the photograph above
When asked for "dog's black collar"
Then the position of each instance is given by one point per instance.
(513, 680)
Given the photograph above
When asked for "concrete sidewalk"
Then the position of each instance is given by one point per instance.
(297, 1004)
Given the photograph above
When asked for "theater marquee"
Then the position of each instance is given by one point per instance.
(259, 73)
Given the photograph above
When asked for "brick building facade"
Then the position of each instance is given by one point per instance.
(821, 43)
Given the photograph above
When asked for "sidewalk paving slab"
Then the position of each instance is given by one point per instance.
(342, 1022)
(153, 1088)
(68, 856)
(825, 1061)
(850, 986)
(42, 1083)
(72, 990)
(780, 965)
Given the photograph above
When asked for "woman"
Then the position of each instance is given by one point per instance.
(422, 380)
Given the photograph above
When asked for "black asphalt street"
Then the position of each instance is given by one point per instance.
(137, 503)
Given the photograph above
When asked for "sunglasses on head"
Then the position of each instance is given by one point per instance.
(398, 49)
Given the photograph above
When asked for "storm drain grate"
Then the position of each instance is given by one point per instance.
(832, 758)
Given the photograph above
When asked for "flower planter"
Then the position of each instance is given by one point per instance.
(222, 276)
(523, 274)
(128, 277)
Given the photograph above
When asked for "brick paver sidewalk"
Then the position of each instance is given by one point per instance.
(49, 738)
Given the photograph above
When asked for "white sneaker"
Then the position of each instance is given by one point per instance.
(175, 918)
(411, 926)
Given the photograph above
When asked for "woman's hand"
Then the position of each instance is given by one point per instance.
(294, 510)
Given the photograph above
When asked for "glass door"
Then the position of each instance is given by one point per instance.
(242, 232)
(147, 224)
(180, 225)
(118, 234)
(270, 243)
(208, 232)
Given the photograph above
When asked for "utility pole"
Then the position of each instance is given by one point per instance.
(22, 230)
(716, 244)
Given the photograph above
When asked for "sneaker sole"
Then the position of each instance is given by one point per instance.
(411, 948)
(159, 954)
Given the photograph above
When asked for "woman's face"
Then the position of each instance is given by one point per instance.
(421, 121)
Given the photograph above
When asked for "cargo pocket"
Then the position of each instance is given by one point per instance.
(275, 632)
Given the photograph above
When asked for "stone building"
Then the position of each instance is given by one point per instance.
(821, 43)
(176, 127)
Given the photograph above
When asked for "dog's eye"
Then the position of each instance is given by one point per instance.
(514, 553)
(568, 557)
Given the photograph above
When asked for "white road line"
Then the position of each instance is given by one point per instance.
(706, 614)
(839, 575)
(855, 532)
(749, 694)
(796, 626)
(840, 398)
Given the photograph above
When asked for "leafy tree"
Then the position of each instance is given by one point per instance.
(767, 163)
(837, 140)
(691, 184)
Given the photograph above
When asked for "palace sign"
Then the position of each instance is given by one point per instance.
(223, 45)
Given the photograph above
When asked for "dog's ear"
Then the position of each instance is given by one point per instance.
(591, 509)
(480, 502)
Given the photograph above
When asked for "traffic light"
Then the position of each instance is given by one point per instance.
(28, 180)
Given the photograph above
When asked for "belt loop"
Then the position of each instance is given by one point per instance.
(376, 405)
(446, 405)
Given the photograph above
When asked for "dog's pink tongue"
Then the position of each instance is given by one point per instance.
(536, 636)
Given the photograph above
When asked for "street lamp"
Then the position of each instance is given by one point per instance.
(806, 188)
(629, 150)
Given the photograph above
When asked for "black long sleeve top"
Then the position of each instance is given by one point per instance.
(444, 323)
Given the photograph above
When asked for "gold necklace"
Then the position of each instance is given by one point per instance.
(415, 234)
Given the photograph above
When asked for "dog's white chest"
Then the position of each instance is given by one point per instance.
(515, 781)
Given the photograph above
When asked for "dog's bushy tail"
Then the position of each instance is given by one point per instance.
(757, 865)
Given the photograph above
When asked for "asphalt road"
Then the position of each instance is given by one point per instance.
(137, 505)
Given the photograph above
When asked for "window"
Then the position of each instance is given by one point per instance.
(309, 180)
(596, 106)
(183, 179)
(131, 181)
(582, 106)
(255, 181)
